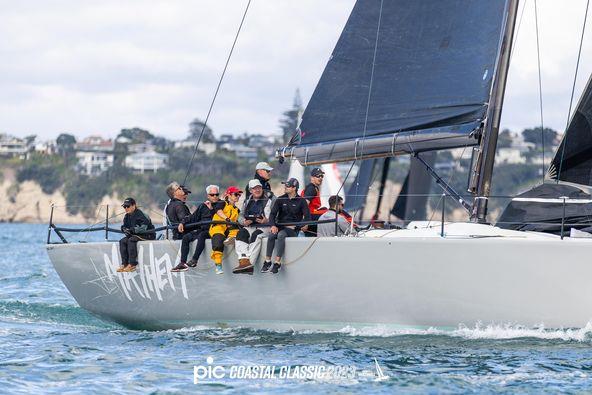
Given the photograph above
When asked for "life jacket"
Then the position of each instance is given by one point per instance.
(315, 201)
(232, 213)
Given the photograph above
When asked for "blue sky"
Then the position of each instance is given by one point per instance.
(88, 67)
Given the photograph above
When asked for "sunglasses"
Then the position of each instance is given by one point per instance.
(213, 194)
(267, 171)
(126, 206)
(319, 176)
(236, 194)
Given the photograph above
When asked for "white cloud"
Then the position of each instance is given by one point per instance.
(96, 67)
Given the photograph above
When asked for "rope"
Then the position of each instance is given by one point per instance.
(216, 93)
(573, 88)
(536, 22)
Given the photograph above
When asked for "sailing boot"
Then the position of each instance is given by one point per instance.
(181, 267)
(217, 258)
(130, 268)
(244, 266)
(266, 267)
(275, 268)
(122, 267)
(192, 263)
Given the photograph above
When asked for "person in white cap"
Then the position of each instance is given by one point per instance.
(255, 213)
(263, 174)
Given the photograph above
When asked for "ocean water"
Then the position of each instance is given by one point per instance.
(50, 345)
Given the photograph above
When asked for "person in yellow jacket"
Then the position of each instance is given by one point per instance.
(226, 210)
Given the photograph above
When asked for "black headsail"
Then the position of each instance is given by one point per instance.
(573, 159)
(432, 64)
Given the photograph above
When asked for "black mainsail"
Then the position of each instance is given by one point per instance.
(573, 159)
(432, 64)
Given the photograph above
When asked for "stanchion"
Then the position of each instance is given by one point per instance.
(563, 218)
(443, 210)
(50, 225)
(107, 223)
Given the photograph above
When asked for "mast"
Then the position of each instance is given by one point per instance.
(492, 121)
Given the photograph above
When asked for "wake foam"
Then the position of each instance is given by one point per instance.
(477, 332)
(48, 313)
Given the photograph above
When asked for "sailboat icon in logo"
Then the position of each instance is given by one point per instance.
(380, 376)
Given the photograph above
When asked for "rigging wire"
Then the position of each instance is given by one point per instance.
(365, 118)
(518, 29)
(536, 22)
(573, 88)
(367, 102)
(216, 93)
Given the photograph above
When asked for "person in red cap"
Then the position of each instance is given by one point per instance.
(226, 211)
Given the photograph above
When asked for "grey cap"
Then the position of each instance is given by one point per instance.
(254, 183)
(263, 166)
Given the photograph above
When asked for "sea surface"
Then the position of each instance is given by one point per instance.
(50, 345)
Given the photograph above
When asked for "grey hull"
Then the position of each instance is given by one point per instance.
(333, 282)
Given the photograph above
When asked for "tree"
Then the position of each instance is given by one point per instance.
(195, 128)
(137, 135)
(30, 139)
(290, 118)
(504, 139)
(534, 136)
(65, 143)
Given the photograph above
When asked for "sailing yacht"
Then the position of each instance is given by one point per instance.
(405, 78)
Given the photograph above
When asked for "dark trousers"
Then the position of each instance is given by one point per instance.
(218, 242)
(200, 236)
(128, 248)
(281, 241)
(243, 235)
(312, 229)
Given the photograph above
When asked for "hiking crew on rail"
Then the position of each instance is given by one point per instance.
(263, 216)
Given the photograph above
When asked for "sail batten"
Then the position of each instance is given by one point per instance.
(432, 67)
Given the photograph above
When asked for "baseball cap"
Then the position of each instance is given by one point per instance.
(263, 166)
(185, 189)
(291, 182)
(171, 188)
(128, 202)
(317, 171)
(233, 189)
(254, 183)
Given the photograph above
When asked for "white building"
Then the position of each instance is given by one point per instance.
(47, 147)
(11, 146)
(93, 163)
(148, 161)
(509, 156)
(241, 151)
(207, 148)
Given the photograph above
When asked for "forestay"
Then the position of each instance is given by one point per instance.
(432, 64)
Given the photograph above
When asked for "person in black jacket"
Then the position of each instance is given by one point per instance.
(287, 208)
(203, 213)
(136, 226)
(176, 209)
(263, 174)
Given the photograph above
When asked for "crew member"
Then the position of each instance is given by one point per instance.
(312, 194)
(288, 208)
(176, 208)
(203, 213)
(136, 226)
(263, 174)
(328, 229)
(226, 210)
(255, 212)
